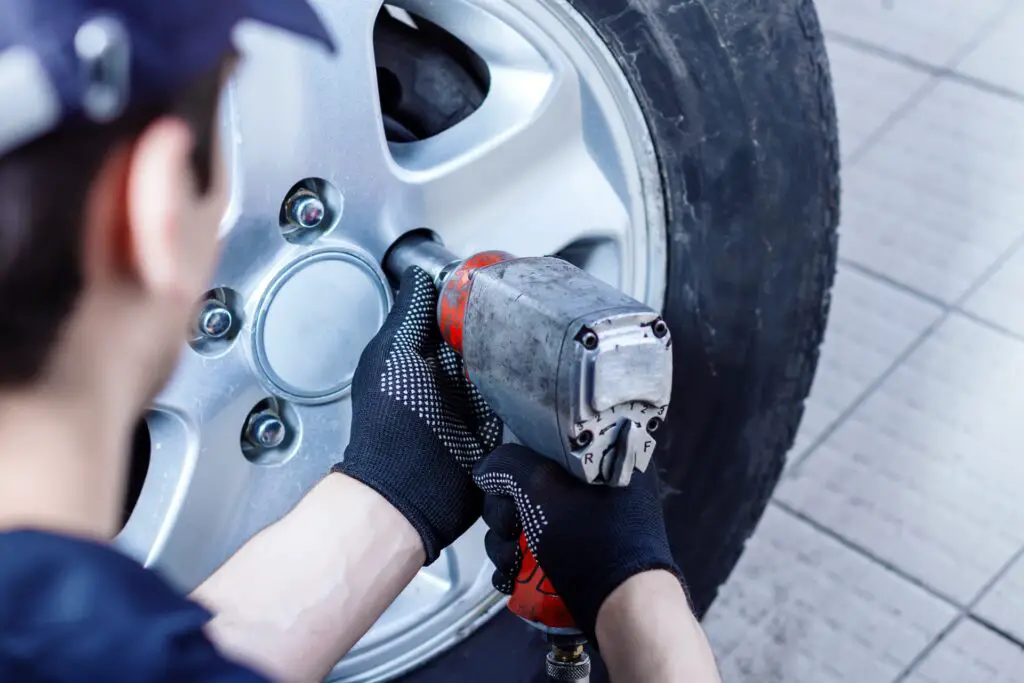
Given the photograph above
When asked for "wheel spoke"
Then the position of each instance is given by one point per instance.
(197, 473)
(203, 499)
(518, 173)
(208, 498)
(300, 113)
(437, 592)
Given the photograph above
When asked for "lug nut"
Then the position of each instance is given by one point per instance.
(660, 328)
(215, 320)
(266, 430)
(306, 210)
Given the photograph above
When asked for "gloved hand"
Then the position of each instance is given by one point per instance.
(587, 539)
(418, 425)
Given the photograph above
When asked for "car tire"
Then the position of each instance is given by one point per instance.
(738, 98)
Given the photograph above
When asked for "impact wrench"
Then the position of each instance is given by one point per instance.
(578, 371)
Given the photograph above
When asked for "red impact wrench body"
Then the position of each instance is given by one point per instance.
(577, 370)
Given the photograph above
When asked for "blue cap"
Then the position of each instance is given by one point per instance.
(94, 58)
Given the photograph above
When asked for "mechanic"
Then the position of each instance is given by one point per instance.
(112, 187)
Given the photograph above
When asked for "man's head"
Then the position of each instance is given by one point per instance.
(112, 177)
(128, 209)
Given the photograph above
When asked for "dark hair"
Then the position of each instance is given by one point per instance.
(43, 191)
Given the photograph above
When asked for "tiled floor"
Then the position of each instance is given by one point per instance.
(894, 550)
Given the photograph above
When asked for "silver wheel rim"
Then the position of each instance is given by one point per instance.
(558, 156)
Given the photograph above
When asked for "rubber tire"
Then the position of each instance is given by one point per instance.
(738, 97)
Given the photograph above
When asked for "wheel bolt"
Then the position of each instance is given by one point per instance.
(215, 320)
(306, 210)
(266, 429)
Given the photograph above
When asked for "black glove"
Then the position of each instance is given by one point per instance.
(587, 539)
(418, 425)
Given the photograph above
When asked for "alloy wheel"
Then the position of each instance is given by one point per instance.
(556, 159)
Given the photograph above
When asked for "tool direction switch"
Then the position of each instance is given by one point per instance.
(624, 382)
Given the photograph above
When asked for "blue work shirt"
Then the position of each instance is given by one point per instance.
(71, 610)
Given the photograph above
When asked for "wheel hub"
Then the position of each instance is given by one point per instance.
(313, 322)
(557, 159)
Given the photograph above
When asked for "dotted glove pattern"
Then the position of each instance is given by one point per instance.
(587, 539)
(424, 374)
(418, 424)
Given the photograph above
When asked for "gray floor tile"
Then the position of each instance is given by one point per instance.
(971, 654)
(999, 58)
(932, 31)
(868, 90)
(802, 608)
(870, 325)
(936, 200)
(1003, 604)
(999, 299)
(926, 473)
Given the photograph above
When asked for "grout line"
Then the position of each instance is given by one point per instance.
(928, 87)
(986, 29)
(964, 611)
(915, 98)
(863, 396)
(882, 51)
(926, 67)
(928, 649)
(990, 272)
(947, 310)
(864, 552)
(985, 86)
(994, 579)
(999, 631)
(938, 73)
(895, 284)
(992, 325)
(966, 614)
